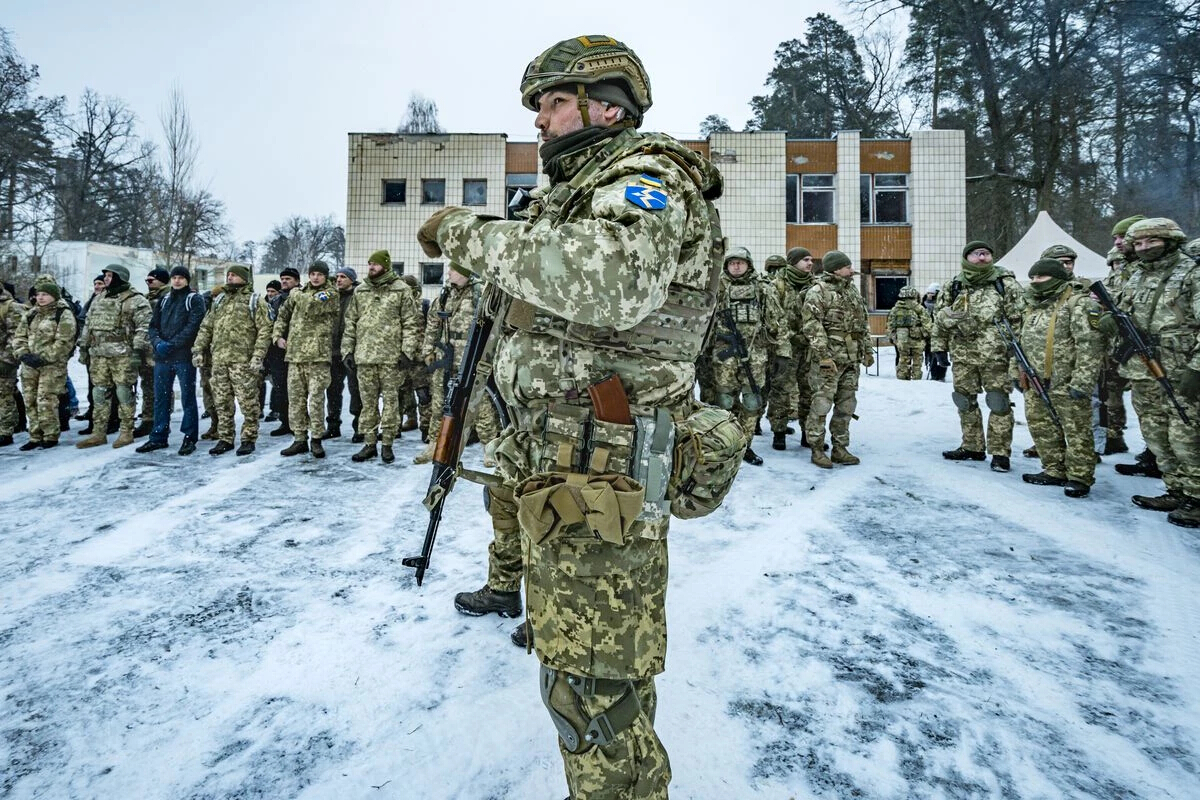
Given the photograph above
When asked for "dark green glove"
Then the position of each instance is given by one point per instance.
(781, 365)
(1107, 324)
(1189, 384)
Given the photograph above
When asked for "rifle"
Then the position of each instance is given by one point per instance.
(737, 347)
(1135, 342)
(1010, 338)
(446, 362)
(453, 435)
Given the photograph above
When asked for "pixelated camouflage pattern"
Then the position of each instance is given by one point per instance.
(117, 326)
(833, 318)
(112, 376)
(1112, 385)
(306, 321)
(791, 394)
(306, 385)
(231, 332)
(504, 551)
(41, 388)
(48, 332)
(379, 383)
(909, 326)
(382, 323)
(235, 381)
(754, 304)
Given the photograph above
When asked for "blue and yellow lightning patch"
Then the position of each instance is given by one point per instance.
(647, 193)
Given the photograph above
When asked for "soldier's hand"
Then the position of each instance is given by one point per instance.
(1078, 394)
(427, 234)
(1189, 384)
(281, 343)
(256, 364)
(1021, 382)
(1107, 324)
(198, 360)
(827, 366)
(32, 361)
(868, 358)
(429, 359)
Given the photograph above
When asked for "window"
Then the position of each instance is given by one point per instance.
(887, 291)
(810, 199)
(514, 183)
(474, 193)
(883, 199)
(394, 191)
(433, 191)
(431, 273)
(398, 268)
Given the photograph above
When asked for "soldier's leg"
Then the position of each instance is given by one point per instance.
(389, 390)
(845, 401)
(1047, 438)
(968, 383)
(210, 404)
(487, 422)
(103, 390)
(781, 402)
(1153, 412)
(335, 394)
(29, 386)
(8, 400)
(356, 405)
(803, 398)
(726, 390)
(504, 552)
(437, 396)
(408, 397)
(126, 378)
(750, 402)
(221, 381)
(1185, 450)
(246, 383)
(369, 388)
(52, 381)
(1080, 453)
(424, 396)
(822, 388)
(316, 380)
(996, 386)
(1113, 388)
(146, 382)
(915, 352)
(297, 400)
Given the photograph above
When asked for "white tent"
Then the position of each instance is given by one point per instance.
(1042, 234)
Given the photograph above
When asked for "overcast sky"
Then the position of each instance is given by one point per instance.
(274, 87)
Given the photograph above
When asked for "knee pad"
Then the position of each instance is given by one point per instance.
(963, 402)
(751, 401)
(124, 395)
(563, 696)
(724, 400)
(997, 402)
(100, 395)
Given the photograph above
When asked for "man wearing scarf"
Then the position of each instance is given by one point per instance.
(790, 392)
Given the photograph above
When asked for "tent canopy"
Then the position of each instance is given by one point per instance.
(1042, 234)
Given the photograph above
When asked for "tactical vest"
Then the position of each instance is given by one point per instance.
(745, 301)
(104, 320)
(905, 316)
(676, 330)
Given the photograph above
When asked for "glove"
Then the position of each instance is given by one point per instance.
(1078, 394)
(83, 357)
(256, 364)
(1107, 324)
(404, 362)
(427, 235)
(1189, 384)
(782, 365)
(941, 358)
(868, 358)
(33, 361)
(198, 360)
(1021, 382)
(135, 361)
(349, 361)
(161, 349)
(827, 366)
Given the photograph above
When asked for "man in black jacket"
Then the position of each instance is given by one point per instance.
(173, 328)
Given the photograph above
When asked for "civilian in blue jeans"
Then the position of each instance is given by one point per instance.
(173, 327)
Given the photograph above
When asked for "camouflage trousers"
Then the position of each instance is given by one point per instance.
(1112, 400)
(378, 382)
(910, 358)
(733, 391)
(206, 393)
(1068, 453)
(791, 394)
(8, 399)
(1175, 444)
(486, 423)
(992, 379)
(41, 388)
(504, 552)
(414, 384)
(112, 374)
(836, 391)
(230, 382)
(306, 385)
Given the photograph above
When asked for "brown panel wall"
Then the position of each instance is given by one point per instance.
(877, 323)
(819, 239)
(521, 157)
(886, 241)
(884, 156)
(821, 155)
(699, 146)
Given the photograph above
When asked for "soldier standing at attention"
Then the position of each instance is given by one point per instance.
(415, 400)
(625, 228)
(1058, 338)
(790, 392)
(964, 328)
(341, 377)
(380, 338)
(114, 344)
(11, 313)
(909, 327)
(834, 322)
(276, 364)
(43, 343)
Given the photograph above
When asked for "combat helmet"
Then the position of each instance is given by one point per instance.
(775, 262)
(1192, 248)
(588, 60)
(1156, 227)
(1059, 251)
(1115, 256)
(738, 252)
(907, 292)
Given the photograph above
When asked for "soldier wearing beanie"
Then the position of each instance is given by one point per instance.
(276, 363)
(965, 332)
(345, 280)
(43, 343)
(1119, 239)
(415, 396)
(791, 395)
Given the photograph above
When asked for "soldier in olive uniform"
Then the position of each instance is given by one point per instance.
(158, 286)
(414, 380)
(1112, 386)
(758, 321)
(791, 396)
(909, 326)
(233, 341)
(964, 327)
(834, 322)
(11, 313)
(1067, 257)
(341, 377)
(624, 241)
(304, 331)
(114, 344)
(380, 340)
(1059, 339)
(43, 343)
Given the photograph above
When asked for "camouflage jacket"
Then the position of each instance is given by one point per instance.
(449, 321)
(754, 305)
(834, 321)
(381, 324)
(46, 331)
(306, 321)
(965, 316)
(1163, 299)
(790, 286)
(117, 326)
(908, 321)
(236, 328)
(625, 245)
(11, 313)
(1060, 341)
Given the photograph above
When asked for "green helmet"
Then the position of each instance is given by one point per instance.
(738, 252)
(908, 293)
(1192, 248)
(120, 270)
(775, 262)
(1059, 251)
(1122, 226)
(587, 60)
(1156, 227)
(1115, 256)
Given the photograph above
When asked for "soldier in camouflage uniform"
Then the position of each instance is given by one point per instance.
(772, 265)
(11, 313)
(158, 286)
(1112, 386)
(450, 318)
(625, 229)
(380, 340)
(341, 377)
(414, 380)
(304, 331)
(833, 319)
(791, 396)
(1067, 351)
(1067, 257)
(1162, 297)
(964, 327)
(114, 344)
(233, 341)
(43, 343)
(909, 326)
(758, 320)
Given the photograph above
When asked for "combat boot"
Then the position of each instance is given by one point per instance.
(1043, 478)
(1114, 445)
(1187, 515)
(246, 448)
(963, 454)
(410, 422)
(282, 430)
(779, 442)
(521, 638)
(220, 448)
(332, 432)
(143, 429)
(1076, 489)
(188, 447)
(751, 457)
(820, 459)
(758, 427)
(1030, 452)
(357, 438)
(297, 447)
(841, 455)
(425, 456)
(804, 439)
(366, 454)
(789, 430)
(30, 445)
(1171, 501)
(317, 449)
(1146, 468)
(488, 601)
(211, 433)
(1000, 464)
(6, 440)
(126, 438)
(385, 454)
(95, 440)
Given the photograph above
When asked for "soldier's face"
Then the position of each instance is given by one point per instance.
(153, 283)
(1039, 279)
(375, 270)
(178, 282)
(844, 272)
(980, 256)
(108, 278)
(1150, 247)
(44, 298)
(287, 282)
(805, 263)
(271, 292)
(1068, 262)
(343, 281)
(234, 279)
(1119, 241)
(558, 114)
(736, 267)
(98, 286)
(456, 278)
(317, 279)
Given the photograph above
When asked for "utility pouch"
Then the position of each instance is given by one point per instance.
(709, 445)
(607, 504)
(652, 460)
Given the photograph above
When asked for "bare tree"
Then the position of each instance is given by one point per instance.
(421, 116)
(299, 241)
(179, 163)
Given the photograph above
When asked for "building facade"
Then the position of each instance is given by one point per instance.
(896, 207)
(75, 264)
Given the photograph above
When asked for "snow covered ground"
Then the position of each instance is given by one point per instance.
(908, 628)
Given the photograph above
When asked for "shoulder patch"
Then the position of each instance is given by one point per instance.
(644, 194)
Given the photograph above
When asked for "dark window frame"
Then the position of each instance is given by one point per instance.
(402, 183)
(481, 181)
(430, 183)
(869, 192)
(814, 203)
(427, 276)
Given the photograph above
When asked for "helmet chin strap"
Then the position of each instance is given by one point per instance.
(582, 101)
